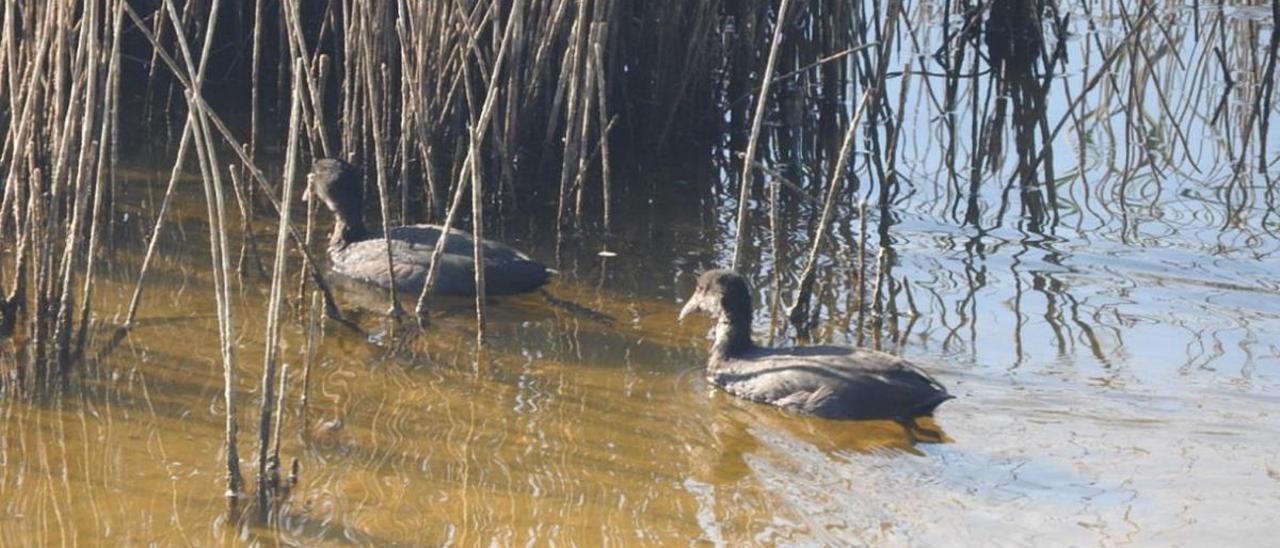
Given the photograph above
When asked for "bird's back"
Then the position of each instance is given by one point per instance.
(830, 381)
(507, 271)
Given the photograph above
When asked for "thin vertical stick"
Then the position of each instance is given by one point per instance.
(309, 357)
(469, 165)
(744, 190)
(265, 486)
(255, 70)
(800, 308)
(215, 207)
(375, 123)
(775, 244)
(248, 241)
(109, 105)
(477, 222)
(862, 268)
(174, 174)
(588, 99)
(433, 270)
(877, 299)
(602, 89)
(273, 467)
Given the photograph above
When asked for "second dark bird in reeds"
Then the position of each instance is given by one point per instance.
(826, 381)
(360, 254)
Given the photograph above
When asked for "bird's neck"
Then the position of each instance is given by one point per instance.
(347, 231)
(733, 337)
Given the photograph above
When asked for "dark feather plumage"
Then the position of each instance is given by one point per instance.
(826, 381)
(358, 254)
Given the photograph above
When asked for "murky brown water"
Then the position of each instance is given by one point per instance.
(1118, 381)
(1108, 391)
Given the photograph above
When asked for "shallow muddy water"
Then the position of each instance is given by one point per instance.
(1117, 377)
(1108, 391)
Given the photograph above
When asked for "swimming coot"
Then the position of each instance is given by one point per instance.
(359, 254)
(827, 381)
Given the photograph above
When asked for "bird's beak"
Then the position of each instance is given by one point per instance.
(693, 305)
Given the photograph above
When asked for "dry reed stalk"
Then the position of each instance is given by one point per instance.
(584, 135)
(309, 358)
(861, 285)
(420, 310)
(312, 106)
(553, 18)
(255, 69)
(606, 178)
(216, 209)
(18, 142)
(570, 78)
(477, 213)
(885, 33)
(34, 239)
(205, 152)
(39, 259)
(470, 169)
(477, 183)
(331, 307)
(374, 119)
(1261, 107)
(775, 251)
(589, 159)
(1103, 71)
(106, 126)
(174, 174)
(744, 190)
(594, 89)
(17, 145)
(8, 60)
(402, 148)
(248, 240)
(273, 468)
(349, 92)
(877, 298)
(266, 487)
(799, 309)
(74, 243)
(895, 128)
(507, 136)
(16, 156)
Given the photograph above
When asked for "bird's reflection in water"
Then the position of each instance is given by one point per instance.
(735, 430)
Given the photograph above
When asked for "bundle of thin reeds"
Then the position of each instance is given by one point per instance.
(61, 89)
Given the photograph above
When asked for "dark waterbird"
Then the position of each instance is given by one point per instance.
(357, 253)
(827, 381)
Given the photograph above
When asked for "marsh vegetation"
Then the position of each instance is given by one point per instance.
(1067, 209)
